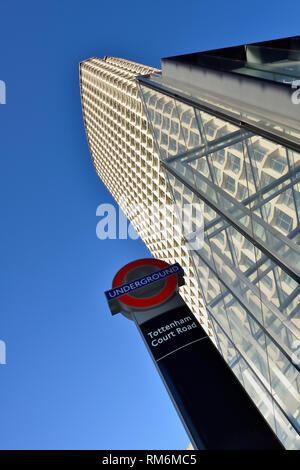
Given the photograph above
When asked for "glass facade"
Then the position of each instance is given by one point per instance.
(278, 64)
(248, 262)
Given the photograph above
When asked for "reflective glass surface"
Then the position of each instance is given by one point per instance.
(248, 263)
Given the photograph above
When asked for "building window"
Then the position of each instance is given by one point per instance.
(288, 198)
(220, 156)
(174, 127)
(217, 174)
(210, 130)
(168, 108)
(193, 140)
(266, 180)
(229, 184)
(242, 192)
(164, 139)
(186, 117)
(277, 164)
(160, 103)
(258, 153)
(234, 163)
(173, 146)
(166, 123)
(202, 165)
(238, 147)
(266, 210)
(252, 173)
(283, 221)
(157, 119)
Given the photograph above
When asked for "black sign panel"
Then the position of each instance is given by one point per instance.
(216, 410)
(171, 331)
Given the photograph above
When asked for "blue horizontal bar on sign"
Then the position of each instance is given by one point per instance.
(143, 281)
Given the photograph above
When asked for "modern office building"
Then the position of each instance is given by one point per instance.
(126, 160)
(220, 130)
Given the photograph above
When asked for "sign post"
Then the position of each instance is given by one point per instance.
(213, 406)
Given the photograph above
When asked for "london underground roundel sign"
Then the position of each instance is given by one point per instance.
(170, 277)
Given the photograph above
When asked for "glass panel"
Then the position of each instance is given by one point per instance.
(165, 123)
(219, 105)
(285, 431)
(252, 302)
(259, 394)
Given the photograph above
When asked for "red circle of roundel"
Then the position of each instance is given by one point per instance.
(171, 283)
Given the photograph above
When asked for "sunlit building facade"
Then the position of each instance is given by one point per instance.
(223, 131)
(125, 158)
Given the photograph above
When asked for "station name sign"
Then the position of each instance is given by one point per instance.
(143, 281)
(171, 331)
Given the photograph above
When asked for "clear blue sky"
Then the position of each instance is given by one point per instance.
(75, 377)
